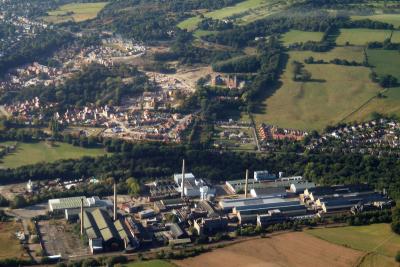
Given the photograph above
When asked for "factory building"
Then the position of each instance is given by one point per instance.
(193, 187)
(102, 232)
(312, 194)
(210, 225)
(237, 186)
(229, 205)
(299, 187)
(279, 191)
(248, 214)
(71, 206)
(264, 176)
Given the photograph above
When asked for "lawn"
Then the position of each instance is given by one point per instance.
(295, 36)
(10, 247)
(31, 153)
(151, 263)
(388, 18)
(377, 239)
(334, 92)
(363, 36)
(75, 12)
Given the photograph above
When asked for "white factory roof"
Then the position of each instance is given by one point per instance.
(240, 202)
(75, 202)
(178, 177)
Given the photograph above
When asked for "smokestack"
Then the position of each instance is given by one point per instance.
(82, 219)
(183, 180)
(246, 185)
(115, 201)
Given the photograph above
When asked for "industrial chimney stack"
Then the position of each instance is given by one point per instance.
(183, 180)
(246, 185)
(115, 201)
(82, 218)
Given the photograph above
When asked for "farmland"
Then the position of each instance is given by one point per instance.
(295, 36)
(31, 153)
(334, 92)
(388, 18)
(379, 59)
(389, 103)
(378, 240)
(152, 263)
(9, 245)
(282, 250)
(243, 13)
(75, 12)
(363, 36)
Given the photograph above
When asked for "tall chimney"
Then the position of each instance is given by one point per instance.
(246, 185)
(115, 201)
(183, 180)
(82, 218)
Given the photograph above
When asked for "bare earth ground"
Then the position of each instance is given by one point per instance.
(290, 249)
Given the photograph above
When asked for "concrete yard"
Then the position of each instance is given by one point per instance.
(59, 240)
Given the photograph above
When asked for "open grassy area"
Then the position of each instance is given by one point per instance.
(295, 36)
(152, 263)
(31, 153)
(10, 247)
(363, 36)
(384, 62)
(332, 94)
(388, 18)
(376, 239)
(244, 12)
(75, 12)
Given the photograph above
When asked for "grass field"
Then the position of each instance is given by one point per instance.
(248, 11)
(363, 36)
(295, 36)
(384, 62)
(152, 263)
(388, 18)
(9, 245)
(334, 92)
(31, 153)
(75, 12)
(377, 239)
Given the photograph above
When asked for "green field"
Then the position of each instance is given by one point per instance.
(388, 18)
(363, 36)
(295, 36)
(31, 153)
(244, 12)
(75, 12)
(378, 240)
(384, 62)
(152, 263)
(334, 92)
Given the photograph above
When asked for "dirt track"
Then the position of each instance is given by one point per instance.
(290, 249)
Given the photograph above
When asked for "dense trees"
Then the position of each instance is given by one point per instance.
(93, 84)
(239, 65)
(34, 49)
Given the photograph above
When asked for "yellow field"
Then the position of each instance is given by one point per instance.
(295, 36)
(10, 247)
(364, 36)
(388, 18)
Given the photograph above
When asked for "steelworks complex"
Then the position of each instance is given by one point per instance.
(177, 211)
